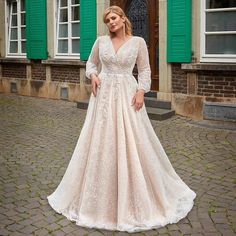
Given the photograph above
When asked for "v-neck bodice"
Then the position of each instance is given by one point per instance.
(133, 51)
(120, 61)
(116, 51)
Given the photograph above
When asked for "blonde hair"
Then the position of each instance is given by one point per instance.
(117, 10)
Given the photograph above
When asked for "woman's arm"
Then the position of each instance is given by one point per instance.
(92, 66)
(144, 75)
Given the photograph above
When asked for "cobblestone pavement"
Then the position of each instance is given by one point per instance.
(37, 138)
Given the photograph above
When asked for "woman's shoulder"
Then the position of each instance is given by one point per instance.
(139, 38)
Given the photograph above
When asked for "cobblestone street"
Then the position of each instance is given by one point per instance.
(38, 136)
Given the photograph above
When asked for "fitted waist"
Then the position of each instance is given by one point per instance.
(114, 73)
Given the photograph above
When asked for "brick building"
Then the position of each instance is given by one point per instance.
(45, 43)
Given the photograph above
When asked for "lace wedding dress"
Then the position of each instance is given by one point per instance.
(119, 176)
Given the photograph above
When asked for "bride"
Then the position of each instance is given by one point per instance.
(119, 176)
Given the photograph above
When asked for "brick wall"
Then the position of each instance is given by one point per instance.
(209, 83)
(14, 71)
(65, 73)
(179, 79)
(38, 71)
(217, 84)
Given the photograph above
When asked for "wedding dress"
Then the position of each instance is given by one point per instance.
(119, 176)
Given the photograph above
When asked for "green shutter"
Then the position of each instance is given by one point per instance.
(88, 29)
(179, 31)
(36, 29)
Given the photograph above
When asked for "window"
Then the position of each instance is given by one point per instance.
(218, 31)
(16, 28)
(68, 28)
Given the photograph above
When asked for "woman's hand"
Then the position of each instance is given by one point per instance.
(138, 100)
(95, 83)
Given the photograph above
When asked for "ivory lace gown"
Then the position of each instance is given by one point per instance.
(119, 176)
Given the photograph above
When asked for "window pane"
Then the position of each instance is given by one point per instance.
(22, 5)
(63, 31)
(22, 18)
(14, 20)
(75, 13)
(74, 2)
(221, 21)
(63, 15)
(63, 3)
(75, 46)
(14, 33)
(23, 47)
(63, 46)
(221, 44)
(220, 3)
(13, 47)
(14, 7)
(75, 30)
(22, 32)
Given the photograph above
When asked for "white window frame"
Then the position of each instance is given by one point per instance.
(227, 58)
(8, 30)
(56, 33)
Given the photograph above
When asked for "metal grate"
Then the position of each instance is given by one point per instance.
(138, 14)
(64, 93)
(13, 87)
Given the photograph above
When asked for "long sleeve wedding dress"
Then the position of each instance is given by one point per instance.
(119, 176)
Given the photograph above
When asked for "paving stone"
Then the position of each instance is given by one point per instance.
(14, 227)
(53, 227)
(95, 233)
(58, 233)
(37, 137)
(67, 229)
(41, 232)
(4, 232)
(29, 229)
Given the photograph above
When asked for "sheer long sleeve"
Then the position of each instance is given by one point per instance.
(144, 71)
(93, 60)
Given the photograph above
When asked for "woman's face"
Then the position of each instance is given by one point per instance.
(114, 22)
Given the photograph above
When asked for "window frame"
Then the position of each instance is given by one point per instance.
(69, 55)
(8, 6)
(204, 57)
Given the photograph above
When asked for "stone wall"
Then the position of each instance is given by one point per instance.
(46, 78)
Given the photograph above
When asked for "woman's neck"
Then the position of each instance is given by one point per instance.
(120, 35)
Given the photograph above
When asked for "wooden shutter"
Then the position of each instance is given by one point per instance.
(179, 30)
(36, 29)
(88, 29)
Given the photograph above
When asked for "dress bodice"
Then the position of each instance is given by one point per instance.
(133, 51)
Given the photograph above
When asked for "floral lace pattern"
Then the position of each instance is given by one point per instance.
(119, 176)
(134, 51)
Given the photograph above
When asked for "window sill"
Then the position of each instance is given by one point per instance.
(64, 62)
(15, 60)
(208, 66)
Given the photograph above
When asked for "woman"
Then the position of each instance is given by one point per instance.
(119, 176)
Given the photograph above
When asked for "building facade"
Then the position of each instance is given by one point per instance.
(45, 44)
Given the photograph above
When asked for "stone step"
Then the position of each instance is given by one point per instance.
(159, 113)
(153, 102)
(83, 104)
(151, 94)
(154, 113)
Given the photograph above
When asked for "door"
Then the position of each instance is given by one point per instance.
(144, 17)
